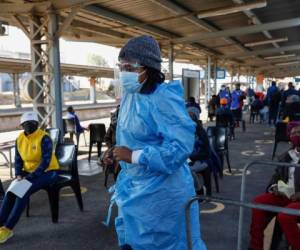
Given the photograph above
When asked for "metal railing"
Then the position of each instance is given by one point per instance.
(242, 204)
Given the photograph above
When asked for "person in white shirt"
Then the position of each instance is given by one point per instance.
(289, 178)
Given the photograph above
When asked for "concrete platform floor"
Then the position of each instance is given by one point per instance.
(83, 230)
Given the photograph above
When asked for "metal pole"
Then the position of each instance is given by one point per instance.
(36, 66)
(54, 59)
(17, 99)
(208, 85)
(171, 60)
(93, 90)
(215, 77)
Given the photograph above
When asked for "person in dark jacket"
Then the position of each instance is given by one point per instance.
(2, 192)
(277, 197)
(255, 108)
(191, 103)
(200, 155)
(290, 91)
(224, 116)
(273, 103)
(212, 106)
(110, 165)
(291, 111)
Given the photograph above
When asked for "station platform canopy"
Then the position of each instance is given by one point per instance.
(254, 36)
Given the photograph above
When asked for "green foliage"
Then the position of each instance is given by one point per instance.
(97, 60)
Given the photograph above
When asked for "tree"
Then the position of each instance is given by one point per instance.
(97, 60)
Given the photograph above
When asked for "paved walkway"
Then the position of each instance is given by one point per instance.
(77, 230)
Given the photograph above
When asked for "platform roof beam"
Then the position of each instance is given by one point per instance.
(240, 31)
(264, 51)
(232, 9)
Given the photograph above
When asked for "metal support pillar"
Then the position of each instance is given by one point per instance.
(171, 60)
(208, 78)
(37, 67)
(17, 99)
(55, 83)
(215, 77)
(93, 98)
(45, 70)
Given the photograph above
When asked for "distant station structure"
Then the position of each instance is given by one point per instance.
(256, 37)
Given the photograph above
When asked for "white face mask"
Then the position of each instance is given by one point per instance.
(130, 81)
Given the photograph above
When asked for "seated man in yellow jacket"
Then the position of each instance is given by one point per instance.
(34, 161)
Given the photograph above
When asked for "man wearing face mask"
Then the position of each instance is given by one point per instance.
(34, 161)
(273, 196)
(155, 137)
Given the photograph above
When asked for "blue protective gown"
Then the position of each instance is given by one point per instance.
(151, 195)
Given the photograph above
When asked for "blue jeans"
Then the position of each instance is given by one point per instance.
(13, 206)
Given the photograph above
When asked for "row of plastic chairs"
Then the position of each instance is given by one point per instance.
(97, 133)
(218, 140)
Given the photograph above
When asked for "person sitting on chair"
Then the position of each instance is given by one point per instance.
(200, 155)
(224, 116)
(35, 162)
(192, 104)
(72, 115)
(212, 106)
(107, 160)
(275, 196)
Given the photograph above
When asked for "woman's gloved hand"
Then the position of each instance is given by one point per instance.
(122, 154)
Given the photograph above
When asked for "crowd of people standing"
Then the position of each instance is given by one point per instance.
(268, 105)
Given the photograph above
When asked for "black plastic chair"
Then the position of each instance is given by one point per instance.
(97, 133)
(219, 141)
(67, 177)
(280, 135)
(226, 121)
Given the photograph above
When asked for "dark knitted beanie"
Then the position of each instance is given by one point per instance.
(144, 50)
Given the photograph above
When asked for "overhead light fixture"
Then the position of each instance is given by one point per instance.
(278, 40)
(232, 9)
(280, 56)
(287, 63)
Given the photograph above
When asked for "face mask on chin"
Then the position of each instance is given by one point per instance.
(130, 81)
(30, 127)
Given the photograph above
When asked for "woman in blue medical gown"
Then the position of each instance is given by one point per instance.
(155, 136)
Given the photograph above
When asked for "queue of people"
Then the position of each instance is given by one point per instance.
(269, 107)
